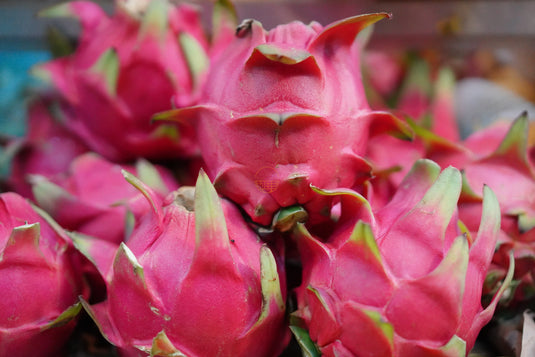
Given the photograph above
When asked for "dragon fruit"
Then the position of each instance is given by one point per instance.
(93, 198)
(39, 282)
(284, 109)
(498, 157)
(429, 103)
(47, 148)
(403, 281)
(126, 68)
(193, 280)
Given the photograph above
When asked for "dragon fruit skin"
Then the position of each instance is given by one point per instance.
(46, 149)
(93, 198)
(426, 101)
(195, 282)
(403, 281)
(39, 282)
(269, 98)
(499, 158)
(126, 68)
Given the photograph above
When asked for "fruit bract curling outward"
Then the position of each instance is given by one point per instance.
(403, 281)
(192, 280)
(284, 109)
(93, 198)
(39, 281)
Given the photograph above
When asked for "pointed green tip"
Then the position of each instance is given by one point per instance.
(172, 115)
(423, 171)
(59, 10)
(47, 194)
(162, 346)
(155, 20)
(65, 317)
(491, 215)
(196, 57)
(362, 235)
(29, 232)
(107, 66)
(210, 222)
(346, 30)
(386, 328)
(125, 255)
(467, 191)
(145, 190)
(270, 282)
(442, 197)
(456, 347)
(308, 347)
(516, 140)
(206, 197)
(224, 15)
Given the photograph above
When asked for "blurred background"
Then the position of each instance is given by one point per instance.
(489, 40)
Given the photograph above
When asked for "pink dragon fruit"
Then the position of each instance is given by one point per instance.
(47, 148)
(498, 157)
(193, 280)
(93, 198)
(39, 283)
(284, 109)
(403, 281)
(436, 134)
(126, 68)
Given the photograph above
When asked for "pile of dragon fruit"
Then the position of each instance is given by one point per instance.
(230, 190)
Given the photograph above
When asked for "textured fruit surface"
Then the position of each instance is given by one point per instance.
(93, 198)
(193, 279)
(403, 281)
(284, 109)
(127, 67)
(39, 284)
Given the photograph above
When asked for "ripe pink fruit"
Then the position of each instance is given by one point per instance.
(429, 103)
(284, 109)
(404, 281)
(499, 158)
(39, 285)
(126, 68)
(93, 198)
(47, 149)
(192, 280)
